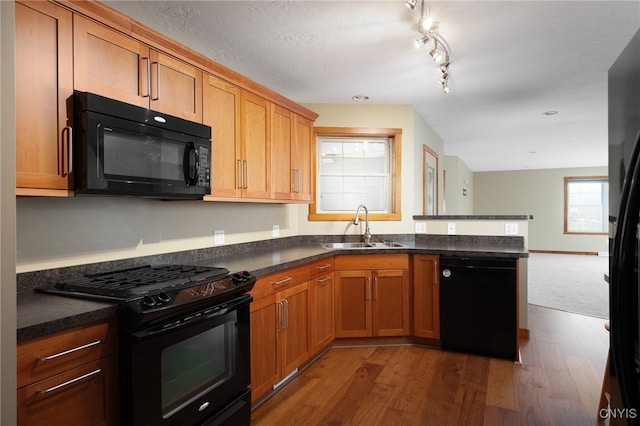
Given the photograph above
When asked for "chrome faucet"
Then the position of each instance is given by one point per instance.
(366, 237)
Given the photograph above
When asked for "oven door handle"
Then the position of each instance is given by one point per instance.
(192, 319)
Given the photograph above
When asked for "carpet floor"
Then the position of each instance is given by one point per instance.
(573, 283)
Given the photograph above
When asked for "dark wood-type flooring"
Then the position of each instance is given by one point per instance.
(558, 382)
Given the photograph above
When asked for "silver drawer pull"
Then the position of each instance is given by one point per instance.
(69, 382)
(59, 354)
(328, 265)
(286, 280)
(324, 280)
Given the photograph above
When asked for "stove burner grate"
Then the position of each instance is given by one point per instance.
(140, 280)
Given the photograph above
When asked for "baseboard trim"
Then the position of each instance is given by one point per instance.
(586, 253)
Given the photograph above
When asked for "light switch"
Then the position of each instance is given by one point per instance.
(451, 228)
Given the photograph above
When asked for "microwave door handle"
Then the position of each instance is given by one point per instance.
(189, 177)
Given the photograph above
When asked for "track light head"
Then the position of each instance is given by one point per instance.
(411, 4)
(422, 40)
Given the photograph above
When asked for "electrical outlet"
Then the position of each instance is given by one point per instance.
(276, 230)
(451, 228)
(421, 228)
(218, 237)
(510, 228)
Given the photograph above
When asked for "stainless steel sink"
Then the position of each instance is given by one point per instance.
(360, 245)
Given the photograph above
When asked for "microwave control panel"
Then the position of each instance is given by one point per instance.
(204, 167)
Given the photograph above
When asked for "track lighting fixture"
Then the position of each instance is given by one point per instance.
(411, 4)
(428, 28)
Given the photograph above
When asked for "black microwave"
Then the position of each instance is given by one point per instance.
(123, 149)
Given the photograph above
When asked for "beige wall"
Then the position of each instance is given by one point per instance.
(53, 233)
(7, 219)
(459, 187)
(540, 193)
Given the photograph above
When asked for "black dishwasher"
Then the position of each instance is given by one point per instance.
(478, 305)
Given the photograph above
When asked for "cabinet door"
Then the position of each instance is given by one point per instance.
(176, 87)
(221, 111)
(301, 159)
(294, 337)
(353, 303)
(281, 138)
(44, 81)
(264, 348)
(390, 303)
(321, 330)
(110, 64)
(426, 296)
(85, 395)
(256, 147)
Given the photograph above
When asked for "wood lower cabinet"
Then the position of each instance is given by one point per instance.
(426, 296)
(280, 340)
(111, 64)
(44, 81)
(372, 301)
(69, 377)
(321, 288)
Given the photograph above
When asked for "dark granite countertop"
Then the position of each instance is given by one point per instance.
(40, 314)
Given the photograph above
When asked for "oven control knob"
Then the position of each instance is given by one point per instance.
(163, 297)
(240, 277)
(148, 302)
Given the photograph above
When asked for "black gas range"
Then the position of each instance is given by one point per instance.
(150, 293)
(184, 341)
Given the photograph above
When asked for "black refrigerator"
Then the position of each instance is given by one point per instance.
(624, 214)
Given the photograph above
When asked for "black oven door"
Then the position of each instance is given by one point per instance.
(190, 371)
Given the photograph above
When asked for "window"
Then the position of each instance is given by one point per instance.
(353, 167)
(586, 205)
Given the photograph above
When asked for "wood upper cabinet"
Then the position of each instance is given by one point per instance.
(282, 132)
(221, 111)
(69, 377)
(255, 162)
(114, 65)
(426, 296)
(301, 158)
(372, 302)
(291, 155)
(44, 81)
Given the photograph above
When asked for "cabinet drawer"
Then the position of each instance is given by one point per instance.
(52, 354)
(372, 261)
(322, 266)
(85, 395)
(280, 280)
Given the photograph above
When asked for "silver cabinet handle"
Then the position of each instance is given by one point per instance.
(239, 175)
(323, 280)
(322, 267)
(375, 288)
(245, 177)
(69, 382)
(67, 352)
(157, 64)
(286, 304)
(282, 281)
(280, 316)
(148, 77)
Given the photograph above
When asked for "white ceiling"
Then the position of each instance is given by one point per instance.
(511, 61)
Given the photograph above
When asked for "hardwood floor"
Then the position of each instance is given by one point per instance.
(558, 382)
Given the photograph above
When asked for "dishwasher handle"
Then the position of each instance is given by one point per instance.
(478, 263)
